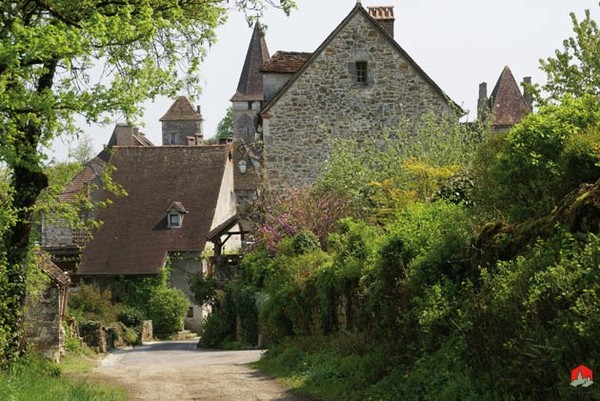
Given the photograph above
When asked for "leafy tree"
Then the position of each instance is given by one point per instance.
(84, 150)
(225, 126)
(47, 52)
(576, 68)
(542, 159)
(407, 163)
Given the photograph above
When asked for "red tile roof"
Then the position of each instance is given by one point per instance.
(250, 86)
(507, 104)
(181, 110)
(285, 62)
(134, 237)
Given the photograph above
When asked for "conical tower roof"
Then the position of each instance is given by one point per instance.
(507, 103)
(250, 86)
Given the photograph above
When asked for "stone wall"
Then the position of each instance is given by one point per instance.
(56, 233)
(183, 267)
(243, 114)
(181, 129)
(43, 322)
(272, 82)
(326, 99)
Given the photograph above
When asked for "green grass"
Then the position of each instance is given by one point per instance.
(341, 367)
(35, 379)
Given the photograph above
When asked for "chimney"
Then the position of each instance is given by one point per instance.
(527, 92)
(384, 15)
(482, 101)
(123, 135)
(199, 124)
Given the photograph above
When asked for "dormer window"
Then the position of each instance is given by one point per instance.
(175, 214)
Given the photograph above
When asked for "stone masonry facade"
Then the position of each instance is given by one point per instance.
(325, 99)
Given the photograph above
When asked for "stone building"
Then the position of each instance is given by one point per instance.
(506, 105)
(182, 124)
(45, 312)
(358, 81)
(176, 196)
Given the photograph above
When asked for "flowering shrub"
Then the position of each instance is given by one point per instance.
(296, 210)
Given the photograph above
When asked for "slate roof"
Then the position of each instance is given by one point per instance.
(90, 173)
(134, 237)
(285, 62)
(181, 110)
(92, 170)
(359, 9)
(507, 104)
(250, 86)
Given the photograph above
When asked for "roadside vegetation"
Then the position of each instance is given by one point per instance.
(126, 303)
(36, 379)
(465, 266)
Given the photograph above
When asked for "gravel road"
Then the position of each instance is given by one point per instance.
(177, 370)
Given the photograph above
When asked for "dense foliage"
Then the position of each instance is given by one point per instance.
(128, 301)
(48, 52)
(442, 278)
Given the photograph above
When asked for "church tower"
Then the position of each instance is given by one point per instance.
(247, 101)
(182, 124)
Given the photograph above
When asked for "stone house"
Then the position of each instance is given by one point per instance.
(358, 81)
(506, 105)
(176, 195)
(44, 312)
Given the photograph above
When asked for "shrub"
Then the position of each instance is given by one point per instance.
(167, 308)
(543, 158)
(93, 304)
(212, 334)
(305, 241)
(203, 288)
(131, 317)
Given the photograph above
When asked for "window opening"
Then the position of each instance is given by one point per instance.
(361, 72)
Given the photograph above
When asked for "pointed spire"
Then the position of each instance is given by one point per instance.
(507, 103)
(250, 86)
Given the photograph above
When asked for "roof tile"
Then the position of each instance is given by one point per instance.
(285, 62)
(134, 237)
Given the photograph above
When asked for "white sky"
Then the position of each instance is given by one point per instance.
(457, 43)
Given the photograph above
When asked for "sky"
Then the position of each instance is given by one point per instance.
(459, 44)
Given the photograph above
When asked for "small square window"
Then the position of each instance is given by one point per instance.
(190, 312)
(361, 72)
(174, 220)
(173, 138)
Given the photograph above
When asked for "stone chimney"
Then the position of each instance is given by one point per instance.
(527, 95)
(482, 101)
(384, 15)
(123, 135)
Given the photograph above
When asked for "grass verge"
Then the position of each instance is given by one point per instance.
(36, 379)
(339, 367)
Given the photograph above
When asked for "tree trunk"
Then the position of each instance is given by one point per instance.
(28, 180)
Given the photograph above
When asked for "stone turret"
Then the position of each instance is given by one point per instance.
(247, 100)
(506, 105)
(182, 124)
